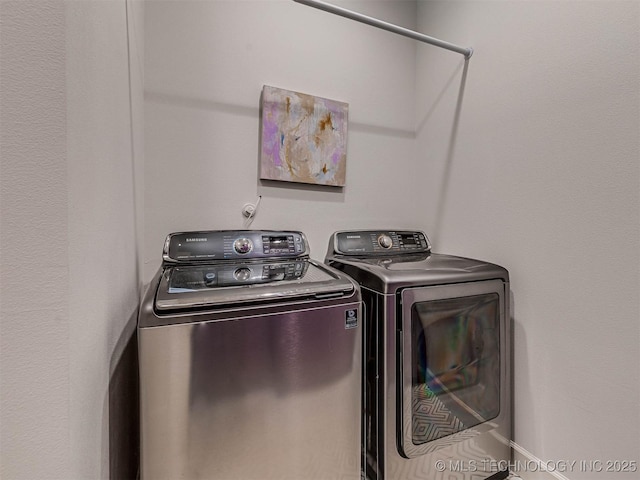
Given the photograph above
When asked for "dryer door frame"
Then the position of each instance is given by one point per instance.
(416, 295)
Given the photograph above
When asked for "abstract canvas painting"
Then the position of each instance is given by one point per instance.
(304, 138)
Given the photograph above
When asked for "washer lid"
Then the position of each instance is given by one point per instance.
(217, 284)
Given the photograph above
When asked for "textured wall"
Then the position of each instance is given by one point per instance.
(544, 179)
(34, 313)
(69, 285)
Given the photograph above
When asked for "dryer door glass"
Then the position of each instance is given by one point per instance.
(451, 362)
(456, 365)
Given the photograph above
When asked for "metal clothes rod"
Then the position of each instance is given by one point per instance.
(390, 27)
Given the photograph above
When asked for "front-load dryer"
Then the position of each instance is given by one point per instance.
(250, 358)
(437, 374)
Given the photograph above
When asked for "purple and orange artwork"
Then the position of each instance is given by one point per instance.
(304, 138)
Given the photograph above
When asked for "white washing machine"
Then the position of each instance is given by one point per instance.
(250, 362)
(437, 336)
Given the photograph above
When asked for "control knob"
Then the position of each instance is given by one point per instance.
(385, 241)
(242, 274)
(242, 245)
(209, 277)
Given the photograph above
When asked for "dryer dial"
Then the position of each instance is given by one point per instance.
(385, 241)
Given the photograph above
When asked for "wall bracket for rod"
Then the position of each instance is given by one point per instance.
(390, 27)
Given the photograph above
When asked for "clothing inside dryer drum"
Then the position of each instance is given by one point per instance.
(455, 365)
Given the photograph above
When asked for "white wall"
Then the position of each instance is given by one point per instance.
(34, 339)
(205, 65)
(544, 179)
(69, 285)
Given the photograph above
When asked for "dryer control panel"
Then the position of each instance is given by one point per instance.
(217, 245)
(380, 242)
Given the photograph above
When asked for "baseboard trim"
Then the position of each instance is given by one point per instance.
(529, 467)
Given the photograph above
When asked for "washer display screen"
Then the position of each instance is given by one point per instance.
(407, 239)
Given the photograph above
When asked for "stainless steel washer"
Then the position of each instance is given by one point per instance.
(437, 401)
(250, 362)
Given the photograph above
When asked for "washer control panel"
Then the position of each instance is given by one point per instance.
(216, 245)
(380, 242)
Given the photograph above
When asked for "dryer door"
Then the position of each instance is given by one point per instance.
(452, 349)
